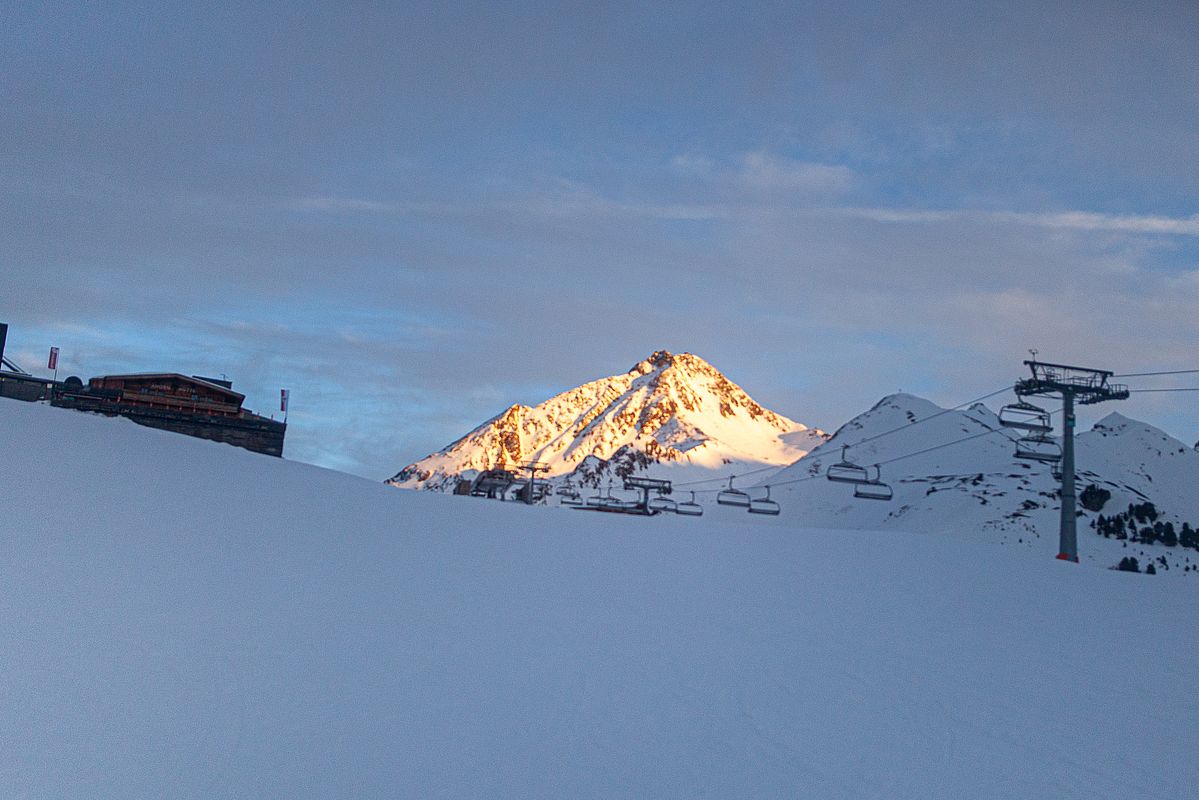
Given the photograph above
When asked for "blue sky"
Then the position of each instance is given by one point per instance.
(415, 216)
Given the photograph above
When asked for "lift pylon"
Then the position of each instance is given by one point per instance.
(1074, 384)
(534, 489)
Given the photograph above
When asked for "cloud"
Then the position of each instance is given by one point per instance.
(349, 205)
(344, 204)
(1064, 220)
(1086, 221)
(765, 171)
(693, 164)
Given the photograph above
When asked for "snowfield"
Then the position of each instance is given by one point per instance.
(184, 619)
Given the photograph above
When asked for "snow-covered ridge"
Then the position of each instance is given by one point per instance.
(669, 412)
(977, 488)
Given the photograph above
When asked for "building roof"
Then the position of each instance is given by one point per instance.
(185, 378)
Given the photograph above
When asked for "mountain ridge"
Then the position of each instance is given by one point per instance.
(667, 409)
(946, 482)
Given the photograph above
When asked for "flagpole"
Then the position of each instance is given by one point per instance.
(53, 364)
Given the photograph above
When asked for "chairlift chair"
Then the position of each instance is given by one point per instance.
(1025, 417)
(874, 489)
(1038, 447)
(733, 497)
(611, 502)
(627, 505)
(690, 508)
(569, 494)
(764, 505)
(845, 471)
(662, 504)
(597, 500)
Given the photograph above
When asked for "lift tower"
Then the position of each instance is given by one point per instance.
(1074, 384)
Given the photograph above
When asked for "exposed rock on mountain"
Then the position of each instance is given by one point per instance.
(673, 413)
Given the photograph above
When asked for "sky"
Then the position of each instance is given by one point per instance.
(415, 215)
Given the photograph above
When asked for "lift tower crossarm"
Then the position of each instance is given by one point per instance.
(1074, 384)
(1087, 385)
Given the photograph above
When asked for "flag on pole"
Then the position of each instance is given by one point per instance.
(283, 393)
(53, 363)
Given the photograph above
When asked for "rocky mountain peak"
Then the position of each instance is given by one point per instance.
(1115, 421)
(660, 359)
(669, 408)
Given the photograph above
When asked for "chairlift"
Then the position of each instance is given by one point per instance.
(873, 489)
(625, 505)
(1025, 417)
(1038, 447)
(845, 471)
(662, 504)
(569, 494)
(733, 497)
(690, 508)
(764, 505)
(597, 500)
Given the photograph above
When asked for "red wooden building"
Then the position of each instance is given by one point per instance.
(203, 407)
(170, 390)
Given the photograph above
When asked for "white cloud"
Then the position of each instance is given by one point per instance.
(588, 204)
(693, 164)
(762, 170)
(1083, 220)
(338, 204)
(1064, 220)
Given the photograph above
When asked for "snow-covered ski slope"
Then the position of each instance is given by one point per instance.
(975, 488)
(185, 619)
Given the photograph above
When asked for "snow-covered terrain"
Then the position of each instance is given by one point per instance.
(670, 415)
(976, 489)
(185, 619)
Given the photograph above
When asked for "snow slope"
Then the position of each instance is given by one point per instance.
(670, 415)
(977, 489)
(185, 619)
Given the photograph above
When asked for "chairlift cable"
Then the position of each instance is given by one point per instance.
(892, 460)
(906, 456)
(726, 477)
(940, 413)
(958, 407)
(941, 446)
(1176, 389)
(1149, 374)
(881, 463)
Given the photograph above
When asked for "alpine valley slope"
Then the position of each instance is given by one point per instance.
(185, 619)
(670, 416)
(975, 488)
